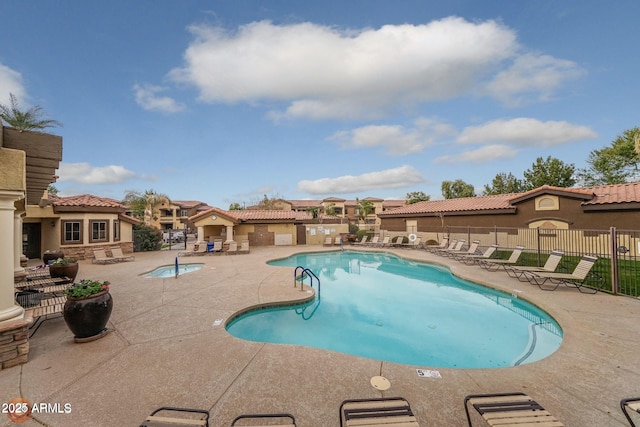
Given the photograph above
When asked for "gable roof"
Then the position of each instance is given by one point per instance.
(255, 215)
(615, 196)
(85, 202)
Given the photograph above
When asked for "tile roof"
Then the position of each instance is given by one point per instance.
(597, 195)
(85, 200)
(466, 204)
(256, 215)
(188, 204)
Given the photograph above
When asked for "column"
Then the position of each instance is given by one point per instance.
(18, 270)
(200, 234)
(9, 311)
(229, 233)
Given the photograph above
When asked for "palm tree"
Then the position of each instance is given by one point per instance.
(145, 205)
(365, 207)
(30, 119)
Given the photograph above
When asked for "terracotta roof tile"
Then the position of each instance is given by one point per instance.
(85, 200)
(465, 204)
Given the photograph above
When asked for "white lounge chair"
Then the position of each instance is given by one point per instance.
(509, 409)
(377, 412)
(549, 266)
(576, 278)
(116, 251)
(495, 264)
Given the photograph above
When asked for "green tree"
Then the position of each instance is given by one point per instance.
(52, 190)
(551, 171)
(314, 211)
(147, 238)
(614, 164)
(416, 196)
(30, 119)
(235, 207)
(145, 206)
(456, 189)
(365, 208)
(504, 184)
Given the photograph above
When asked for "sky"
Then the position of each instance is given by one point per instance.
(228, 101)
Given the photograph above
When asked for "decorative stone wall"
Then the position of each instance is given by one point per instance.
(14, 343)
(86, 252)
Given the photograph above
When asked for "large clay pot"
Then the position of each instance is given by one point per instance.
(64, 270)
(47, 257)
(87, 317)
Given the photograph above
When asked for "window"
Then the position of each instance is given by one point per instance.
(116, 230)
(99, 231)
(184, 212)
(71, 232)
(547, 203)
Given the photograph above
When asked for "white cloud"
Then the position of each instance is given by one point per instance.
(147, 97)
(481, 155)
(532, 76)
(526, 132)
(84, 173)
(403, 176)
(396, 140)
(324, 72)
(11, 82)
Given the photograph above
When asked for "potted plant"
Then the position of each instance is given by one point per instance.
(87, 309)
(64, 267)
(49, 256)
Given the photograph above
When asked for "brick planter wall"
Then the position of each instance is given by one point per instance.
(14, 343)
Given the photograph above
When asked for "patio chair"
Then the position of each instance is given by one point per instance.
(495, 264)
(576, 278)
(415, 244)
(232, 249)
(170, 417)
(100, 257)
(377, 412)
(338, 241)
(284, 420)
(398, 241)
(509, 409)
(373, 242)
(474, 258)
(362, 241)
(244, 247)
(457, 247)
(328, 241)
(549, 266)
(385, 242)
(443, 245)
(630, 404)
(471, 250)
(116, 251)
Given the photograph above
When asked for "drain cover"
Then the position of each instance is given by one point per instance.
(380, 383)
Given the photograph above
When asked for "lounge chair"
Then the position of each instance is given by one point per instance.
(100, 257)
(471, 250)
(244, 247)
(232, 249)
(474, 258)
(373, 242)
(457, 248)
(170, 419)
(377, 412)
(549, 266)
(385, 242)
(452, 244)
(415, 244)
(509, 409)
(577, 278)
(362, 241)
(328, 241)
(116, 251)
(443, 245)
(495, 264)
(398, 241)
(286, 420)
(630, 404)
(338, 241)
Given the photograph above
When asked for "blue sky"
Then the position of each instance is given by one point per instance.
(226, 101)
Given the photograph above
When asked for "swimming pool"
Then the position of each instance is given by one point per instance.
(383, 307)
(170, 270)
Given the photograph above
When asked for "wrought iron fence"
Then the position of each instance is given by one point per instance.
(617, 269)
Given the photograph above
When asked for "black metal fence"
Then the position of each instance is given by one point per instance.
(617, 269)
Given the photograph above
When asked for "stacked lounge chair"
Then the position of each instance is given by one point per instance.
(173, 416)
(284, 420)
(377, 412)
(509, 409)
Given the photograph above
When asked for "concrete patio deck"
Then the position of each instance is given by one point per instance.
(166, 349)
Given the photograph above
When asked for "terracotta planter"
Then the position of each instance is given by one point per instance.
(64, 270)
(87, 317)
(47, 257)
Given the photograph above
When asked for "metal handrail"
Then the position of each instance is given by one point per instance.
(306, 271)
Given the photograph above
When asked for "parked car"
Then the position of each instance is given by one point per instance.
(169, 236)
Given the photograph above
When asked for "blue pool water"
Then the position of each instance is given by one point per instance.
(387, 308)
(170, 270)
